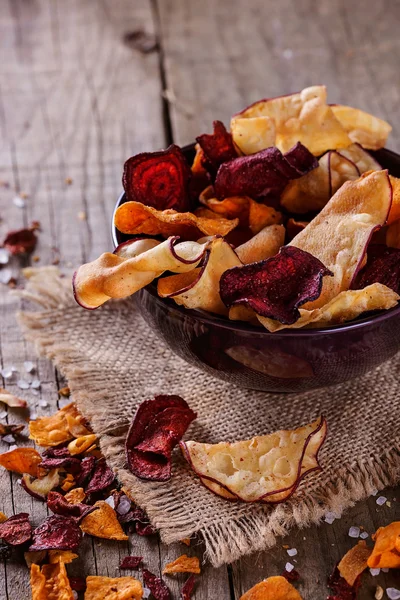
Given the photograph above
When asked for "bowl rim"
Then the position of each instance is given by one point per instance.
(211, 319)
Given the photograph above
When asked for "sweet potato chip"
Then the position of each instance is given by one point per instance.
(22, 241)
(35, 558)
(103, 523)
(354, 562)
(50, 582)
(363, 128)
(217, 148)
(113, 588)
(383, 266)
(386, 552)
(87, 467)
(39, 488)
(11, 400)
(21, 460)
(253, 134)
(75, 496)
(250, 213)
(156, 585)
(158, 179)
(16, 530)
(64, 556)
(394, 214)
(3, 517)
(263, 245)
(68, 483)
(338, 236)
(57, 533)
(53, 430)
(82, 443)
(274, 588)
(183, 564)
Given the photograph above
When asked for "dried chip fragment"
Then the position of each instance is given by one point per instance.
(40, 487)
(188, 588)
(101, 477)
(16, 530)
(217, 148)
(8, 429)
(250, 213)
(131, 562)
(383, 266)
(50, 582)
(11, 400)
(21, 460)
(35, 558)
(87, 466)
(68, 483)
(103, 523)
(253, 134)
(393, 235)
(271, 362)
(82, 443)
(394, 213)
(57, 533)
(113, 588)
(78, 425)
(183, 564)
(354, 562)
(156, 586)
(341, 589)
(363, 128)
(64, 556)
(275, 588)
(60, 506)
(21, 241)
(75, 496)
(3, 517)
(386, 552)
(53, 430)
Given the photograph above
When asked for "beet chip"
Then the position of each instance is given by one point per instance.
(340, 588)
(217, 148)
(156, 586)
(58, 452)
(57, 533)
(87, 466)
(69, 463)
(383, 266)
(77, 583)
(58, 505)
(22, 241)
(101, 478)
(145, 413)
(16, 530)
(264, 174)
(131, 562)
(187, 590)
(158, 179)
(275, 287)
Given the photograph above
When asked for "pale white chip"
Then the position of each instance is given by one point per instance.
(253, 134)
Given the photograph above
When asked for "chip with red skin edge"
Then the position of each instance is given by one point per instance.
(166, 430)
(187, 590)
(156, 586)
(87, 466)
(101, 477)
(57, 533)
(340, 588)
(383, 266)
(69, 463)
(158, 179)
(217, 147)
(57, 452)
(21, 241)
(131, 562)
(264, 174)
(58, 505)
(277, 286)
(16, 530)
(77, 583)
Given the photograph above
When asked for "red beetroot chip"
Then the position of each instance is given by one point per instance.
(57, 533)
(21, 241)
(87, 466)
(275, 287)
(217, 147)
(60, 506)
(291, 576)
(166, 430)
(383, 266)
(340, 588)
(187, 590)
(131, 562)
(156, 586)
(158, 179)
(16, 530)
(101, 477)
(264, 174)
(60, 452)
(69, 463)
(77, 583)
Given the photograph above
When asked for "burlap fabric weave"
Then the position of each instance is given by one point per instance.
(113, 361)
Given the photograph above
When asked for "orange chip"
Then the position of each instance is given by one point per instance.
(183, 564)
(264, 244)
(103, 523)
(53, 430)
(64, 556)
(68, 483)
(77, 424)
(21, 460)
(113, 588)
(354, 562)
(250, 213)
(394, 213)
(50, 583)
(135, 218)
(75, 496)
(273, 588)
(82, 443)
(386, 552)
(2, 517)
(186, 541)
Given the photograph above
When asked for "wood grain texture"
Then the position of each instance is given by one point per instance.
(76, 101)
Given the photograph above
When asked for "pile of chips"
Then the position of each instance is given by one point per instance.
(275, 222)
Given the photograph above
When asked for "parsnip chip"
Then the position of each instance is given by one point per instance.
(363, 128)
(200, 288)
(253, 134)
(363, 160)
(183, 564)
(53, 430)
(136, 218)
(394, 214)
(82, 443)
(264, 244)
(103, 523)
(21, 460)
(250, 213)
(64, 556)
(11, 400)
(386, 552)
(112, 588)
(75, 496)
(50, 582)
(354, 562)
(338, 236)
(262, 468)
(118, 276)
(273, 588)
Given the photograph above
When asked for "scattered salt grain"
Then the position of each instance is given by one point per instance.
(6, 372)
(393, 593)
(3, 414)
(364, 535)
(289, 567)
(381, 500)
(110, 501)
(23, 384)
(292, 552)
(36, 383)
(13, 447)
(4, 256)
(124, 506)
(43, 403)
(374, 572)
(9, 439)
(288, 54)
(374, 492)
(19, 481)
(75, 594)
(29, 366)
(5, 276)
(385, 570)
(35, 392)
(33, 416)
(354, 532)
(19, 202)
(146, 593)
(329, 517)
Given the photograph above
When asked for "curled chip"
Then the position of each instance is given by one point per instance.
(113, 588)
(156, 586)
(275, 287)
(87, 466)
(386, 552)
(21, 460)
(158, 179)
(135, 218)
(22, 241)
(60, 506)
(40, 487)
(354, 562)
(264, 244)
(103, 523)
(53, 430)
(383, 266)
(276, 588)
(272, 362)
(250, 213)
(57, 533)
(77, 424)
(131, 562)
(68, 483)
(338, 236)
(217, 148)
(101, 477)
(188, 588)
(69, 463)
(183, 564)
(267, 468)
(16, 530)
(75, 496)
(35, 558)
(11, 400)
(64, 556)
(156, 429)
(82, 443)
(363, 128)
(263, 175)
(200, 288)
(50, 582)
(253, 134)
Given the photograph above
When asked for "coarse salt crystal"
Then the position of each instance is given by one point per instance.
(288, 54)
(33, 416)
(364, 535)
(124, 505)
(146, 592)
(289, 567)
(292, 552)
(29, 366)
(354, 532)
(6, 372)
(5, 276)
(110, 500)
(19, 202)
(374, 492)
(385, 570)
(75, 594)
(35, 392)
(374, 572)
(393, 593)
(381, 500)
(19, 481)
(3, 414)
(329, 517)
(9, 439)
(36, 383)
(43, 403)
(23, 384)
(13, 447)
(4, 256)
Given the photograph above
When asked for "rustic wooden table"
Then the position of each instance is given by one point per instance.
(77, 99)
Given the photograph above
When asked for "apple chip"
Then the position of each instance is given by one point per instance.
(273, 588)
(263, 468)
(183, 564)
(12, 401)
(363, 160)
(53, 430)
(253, 134)
(136, 218)
(40, 487)
(264, 244)
(113, 588)
(103, 523)
(363, 128)
(21, 460)
(354, 562)
(250, 213)
(200, 288)
(338, 236)
(394, 214)
(386, 552)
(50, 582)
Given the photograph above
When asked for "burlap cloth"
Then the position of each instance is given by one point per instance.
(113, 361)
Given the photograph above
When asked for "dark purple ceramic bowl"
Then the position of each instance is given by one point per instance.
(286, 361)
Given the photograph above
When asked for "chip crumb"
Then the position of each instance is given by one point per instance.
(68, 180)
(285, 546)
(35, 225)
(379, 593)
(65, 391)
(186, 541)
(35, 258)
(82, 215)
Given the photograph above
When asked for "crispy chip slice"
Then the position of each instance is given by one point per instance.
(183, 564)
(250, 213)
(11, 400)
(363, 128)
(40, 487)
(339, 234)
(103, 523)
(293, 227)
(21, 460)
(394, 214)
(53, 430)
(200, 288)
(363, 160)
(264, 244)
(218, 147)
(3, 517)
(50, 582)
(253, 134)
(112, 588)
(64, 556)
(82, 443)
(77, 424)
(272, 362)
(273, 588)
(386, 552)
(354, 562)
(75, 496)
(69, 483)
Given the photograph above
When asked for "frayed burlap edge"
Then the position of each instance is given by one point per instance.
(224, 542)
